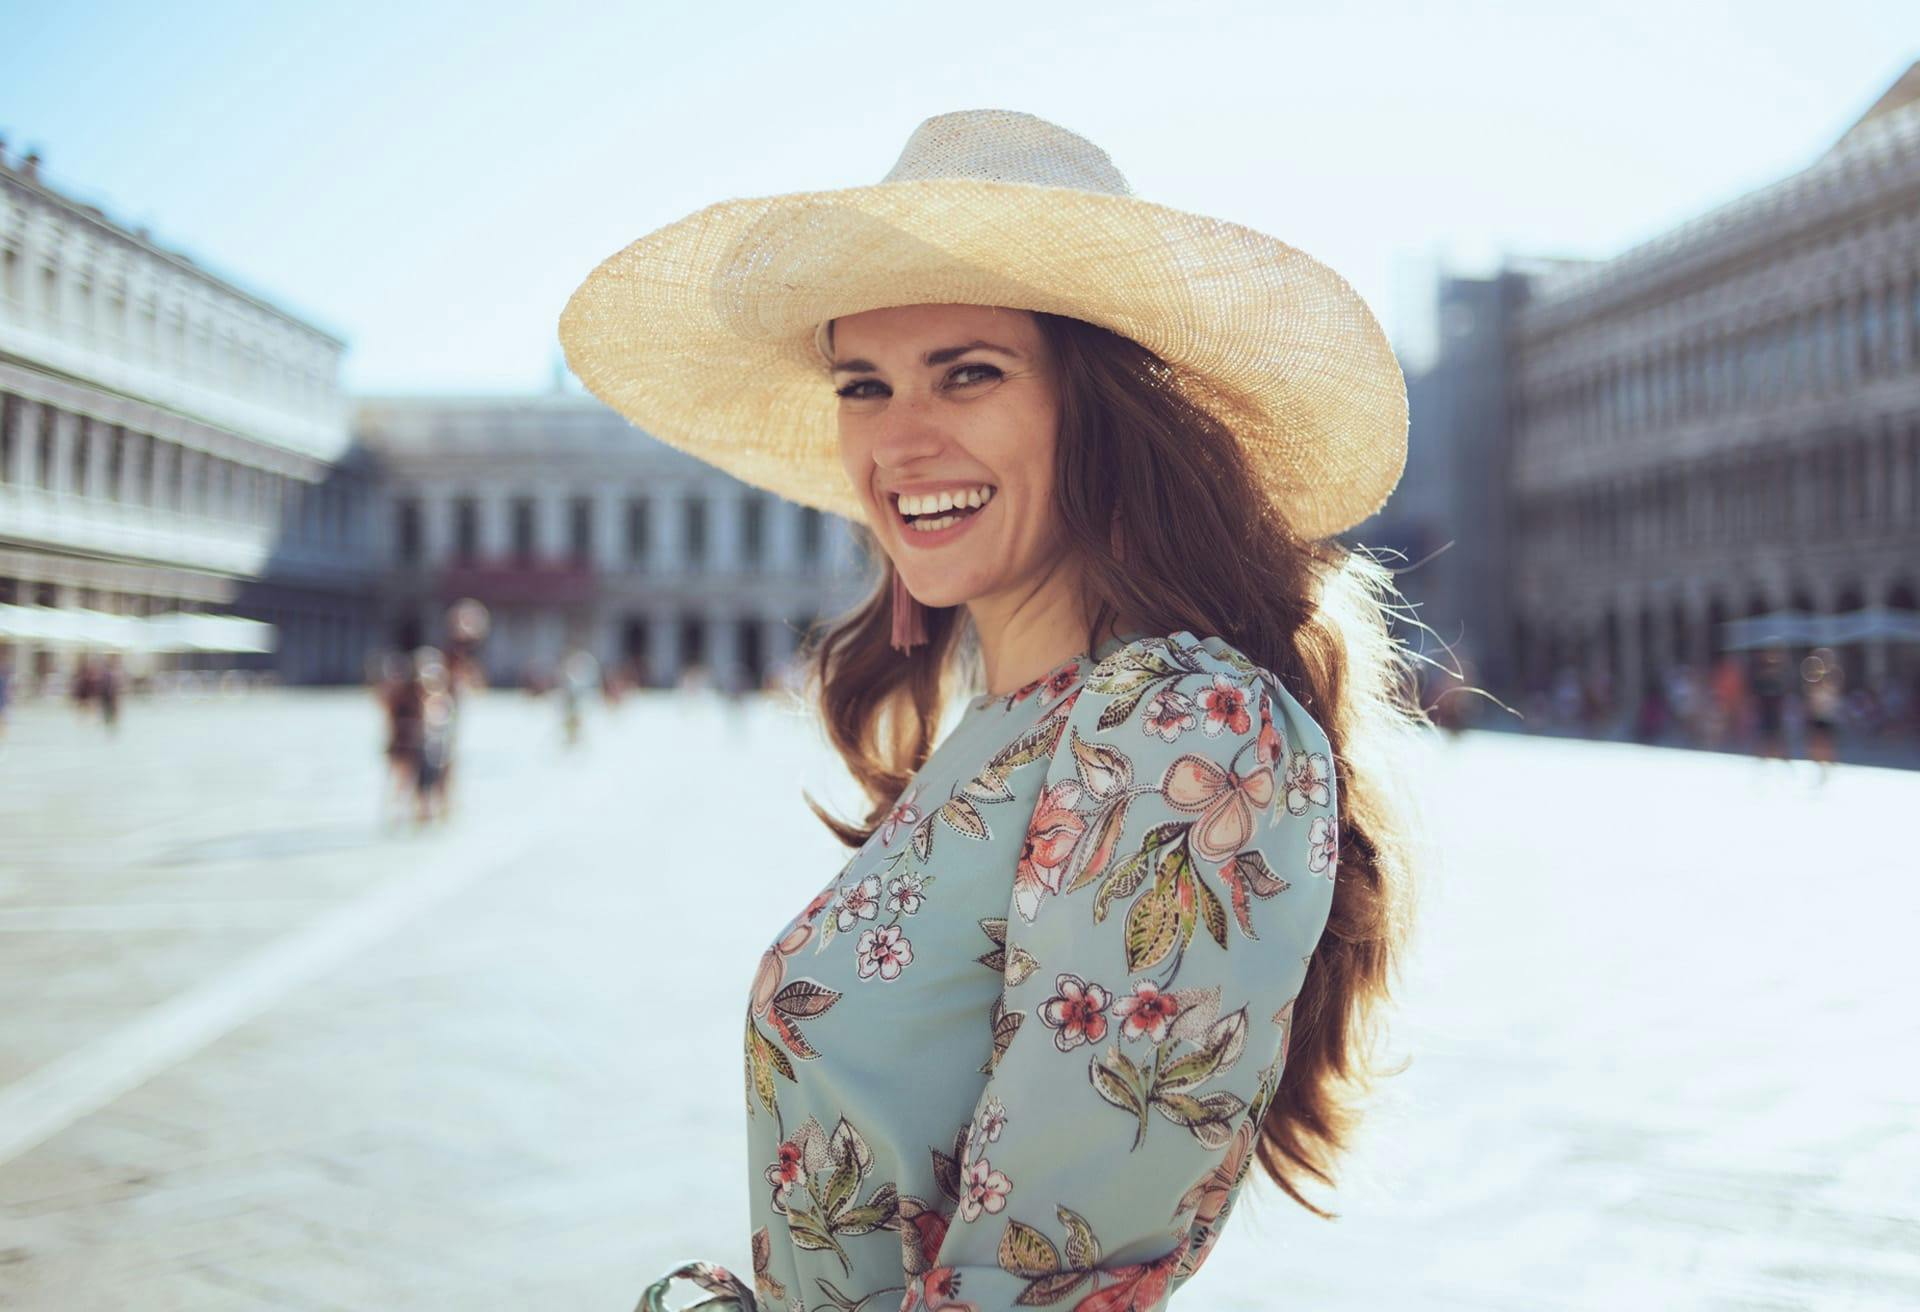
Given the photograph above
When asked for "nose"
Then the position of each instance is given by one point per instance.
(907, 434)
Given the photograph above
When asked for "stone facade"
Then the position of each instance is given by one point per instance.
(574, 527)
(168, 442)
(1725, 421)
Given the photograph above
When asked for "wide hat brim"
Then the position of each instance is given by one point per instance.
(702, 332)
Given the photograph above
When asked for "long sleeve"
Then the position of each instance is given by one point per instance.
(1176, 876)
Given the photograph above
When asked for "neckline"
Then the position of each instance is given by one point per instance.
(1106, 648)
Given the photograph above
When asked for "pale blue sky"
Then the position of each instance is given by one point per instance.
(430, 181)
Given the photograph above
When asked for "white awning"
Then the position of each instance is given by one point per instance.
(175, 631)
(1799, 628)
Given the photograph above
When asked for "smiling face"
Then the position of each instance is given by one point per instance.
(961, 400)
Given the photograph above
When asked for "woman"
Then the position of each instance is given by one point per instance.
(1120, 933)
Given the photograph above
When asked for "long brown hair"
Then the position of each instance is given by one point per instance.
(1198, 548)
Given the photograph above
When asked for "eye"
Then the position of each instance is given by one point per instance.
(955, 377)
(991, 371)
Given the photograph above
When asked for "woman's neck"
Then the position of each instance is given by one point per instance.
(1021, 642)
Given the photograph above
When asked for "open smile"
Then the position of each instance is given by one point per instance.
(939, 527)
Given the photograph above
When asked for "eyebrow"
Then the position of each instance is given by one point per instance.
(940, 356)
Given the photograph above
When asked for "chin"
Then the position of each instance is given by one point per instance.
(945, 591)
(941, 597)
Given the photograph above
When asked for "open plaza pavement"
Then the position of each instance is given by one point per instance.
(264, 1047)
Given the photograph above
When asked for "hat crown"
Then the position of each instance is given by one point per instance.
(1005, 145)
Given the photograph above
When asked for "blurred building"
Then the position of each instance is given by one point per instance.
(169, 442)
(1620, 455)
(1725, 421)
(574, 527)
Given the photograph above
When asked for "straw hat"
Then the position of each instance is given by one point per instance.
(707, 333)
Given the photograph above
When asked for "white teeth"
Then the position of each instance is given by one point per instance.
(931, 503)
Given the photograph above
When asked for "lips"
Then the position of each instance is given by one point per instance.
(927, 538)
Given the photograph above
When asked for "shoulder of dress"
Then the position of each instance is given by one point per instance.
(1125, 682)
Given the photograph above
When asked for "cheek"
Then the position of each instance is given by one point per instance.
(853, 458)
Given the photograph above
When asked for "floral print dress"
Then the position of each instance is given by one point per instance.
(1016, 1052)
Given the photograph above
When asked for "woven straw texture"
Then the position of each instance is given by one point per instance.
(704, 333)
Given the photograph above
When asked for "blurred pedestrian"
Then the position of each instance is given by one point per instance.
(1683, 702)
(439, 714)
(579, 679)
(1727, 703)
(1770, 703)
(6, 687)
(107, 689)
(1825, 697)
(80, 691)
(1650, 714)
(400, 697)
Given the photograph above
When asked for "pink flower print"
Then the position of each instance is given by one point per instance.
(903, 894)
(1169, 714)
(987, 1190)
(1074, 1014)
(1064, 680)
(941, 1288)
(1322, 845)
(929, 1231)
(785, 1173)
(1051, 836)
(1307, 775)
(1270, 749)
(883, 951)
(1226, 707)
(861, 902)
(1146, 1012)
(903, 813)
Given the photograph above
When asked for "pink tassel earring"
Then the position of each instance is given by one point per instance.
(909, 617)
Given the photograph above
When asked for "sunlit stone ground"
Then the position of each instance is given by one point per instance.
(258, 1049)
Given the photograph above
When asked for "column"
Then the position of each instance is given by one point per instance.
(551, 522)
(194, 486)
(130, 450)
(496, 521)
(783, 538)
(25, 458)
(164, 455)
(779, 640)
(610, 535)
(66, 427)
(667, 517)
(723, 650)
(725, 522)
(663, 640)
(1626, 655)
(436, 525)
(99, 438)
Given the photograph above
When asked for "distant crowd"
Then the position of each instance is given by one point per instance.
(1765, 703)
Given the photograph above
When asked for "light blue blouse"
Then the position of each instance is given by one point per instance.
(1018, 1048)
